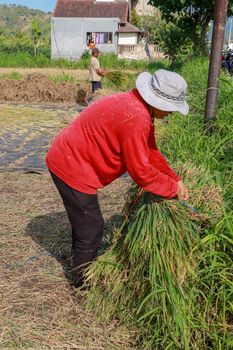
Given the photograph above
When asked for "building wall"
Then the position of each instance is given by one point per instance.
(137, 52)
(127, 39)
(68, 35)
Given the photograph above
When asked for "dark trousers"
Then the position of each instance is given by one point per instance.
(96, 85)
(87, 223)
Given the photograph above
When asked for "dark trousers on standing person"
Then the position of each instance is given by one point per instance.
(96, 85)
(87, 224)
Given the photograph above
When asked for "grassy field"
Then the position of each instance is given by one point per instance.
(24, 60)
(121, 77)
(39, 309)
(178, 291)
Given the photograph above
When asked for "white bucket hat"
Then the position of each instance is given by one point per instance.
(163, 90)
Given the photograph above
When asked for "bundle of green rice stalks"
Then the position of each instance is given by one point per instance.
(147, 279)
(117, 78)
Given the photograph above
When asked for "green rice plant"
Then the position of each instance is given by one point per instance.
(12, 75)
(214, 281)
(168, 273)
(108, 61)
(117, 78)
(205, 194)
(143, 279)
(23, 59)
(214, 153)
(154, 65)
(62, 78)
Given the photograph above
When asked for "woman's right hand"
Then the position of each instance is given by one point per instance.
(182, 192)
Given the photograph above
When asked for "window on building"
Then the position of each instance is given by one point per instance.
(99, 38)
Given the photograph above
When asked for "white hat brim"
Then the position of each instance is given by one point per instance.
(154, 100)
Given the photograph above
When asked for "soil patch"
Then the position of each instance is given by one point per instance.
(37, 87)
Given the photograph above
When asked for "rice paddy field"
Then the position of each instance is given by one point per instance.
(164, 275)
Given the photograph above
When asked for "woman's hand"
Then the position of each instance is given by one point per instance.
(182, 192)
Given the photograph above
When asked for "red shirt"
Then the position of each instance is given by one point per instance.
(111, 136)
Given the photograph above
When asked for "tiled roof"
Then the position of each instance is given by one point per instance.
(128, 28)
(92, 9)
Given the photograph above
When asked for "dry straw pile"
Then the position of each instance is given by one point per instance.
(36, 87)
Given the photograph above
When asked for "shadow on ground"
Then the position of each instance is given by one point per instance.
(53, 234)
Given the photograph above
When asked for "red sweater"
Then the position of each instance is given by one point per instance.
(111, 136)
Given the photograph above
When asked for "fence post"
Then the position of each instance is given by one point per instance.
(220, 13)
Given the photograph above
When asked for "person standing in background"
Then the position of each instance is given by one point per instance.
(95, 72)
(147, 50)
(91, 44)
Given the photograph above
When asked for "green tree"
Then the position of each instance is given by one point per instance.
(135, 19)
(175, 42)
(199, 11)
(151, 26)
(170, 36)
(36, 35)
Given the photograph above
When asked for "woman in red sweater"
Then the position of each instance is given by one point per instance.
(112, 136)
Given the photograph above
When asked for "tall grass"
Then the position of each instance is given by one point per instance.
(146, 284)
(63, 78)
(22, 59)
(27, 60)
(169, 271)
(215, 154)
(12, 75)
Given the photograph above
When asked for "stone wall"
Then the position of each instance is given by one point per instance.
(137, 52)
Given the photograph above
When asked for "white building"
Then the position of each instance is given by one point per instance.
(76, 22)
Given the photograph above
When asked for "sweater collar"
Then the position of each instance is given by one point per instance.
(136, 94)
